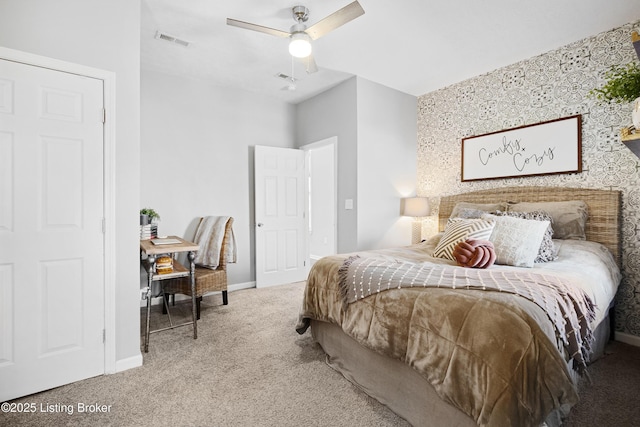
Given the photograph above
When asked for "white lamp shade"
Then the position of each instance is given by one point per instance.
(415, 206)
(300, 45)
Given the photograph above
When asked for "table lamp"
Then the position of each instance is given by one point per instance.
(416, 207)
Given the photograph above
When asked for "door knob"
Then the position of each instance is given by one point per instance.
(259, 224)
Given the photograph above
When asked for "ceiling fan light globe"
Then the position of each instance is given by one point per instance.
(300, 46)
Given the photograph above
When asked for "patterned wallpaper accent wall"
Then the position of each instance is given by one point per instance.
(546, 87)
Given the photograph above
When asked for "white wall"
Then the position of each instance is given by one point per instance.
(334, 113)
(197, 155)
(180, 118)
(104, 35)
(377, 146)
(387, 150)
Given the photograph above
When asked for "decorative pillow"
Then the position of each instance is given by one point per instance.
(458, 230)
(516, 240)
(469, 213)
(547, 251)
(475, 253)
(568, 219)
(468, 210)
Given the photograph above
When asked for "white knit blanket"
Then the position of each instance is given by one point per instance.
(209, 236)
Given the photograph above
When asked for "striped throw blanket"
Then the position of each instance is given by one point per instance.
(210, 236)
(570, 310)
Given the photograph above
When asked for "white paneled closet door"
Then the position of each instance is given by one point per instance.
(51, 229)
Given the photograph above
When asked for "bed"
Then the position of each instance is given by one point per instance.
(467, 353)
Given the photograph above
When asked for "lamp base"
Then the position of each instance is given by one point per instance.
(416, 232)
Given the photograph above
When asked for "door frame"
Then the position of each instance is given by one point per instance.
(109, 227)
(331, 141)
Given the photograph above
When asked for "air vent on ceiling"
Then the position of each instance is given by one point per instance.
(285, 77)
(171, 39)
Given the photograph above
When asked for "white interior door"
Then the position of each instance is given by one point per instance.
(281, 255)
(51, 233)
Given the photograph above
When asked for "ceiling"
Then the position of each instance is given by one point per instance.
(413, 46)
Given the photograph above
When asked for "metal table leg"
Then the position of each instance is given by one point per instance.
(150, 267)
(192, 279)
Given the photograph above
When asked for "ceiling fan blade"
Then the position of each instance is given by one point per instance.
(335, 20)
(258, 28)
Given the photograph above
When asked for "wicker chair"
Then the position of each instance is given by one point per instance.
(207, 280)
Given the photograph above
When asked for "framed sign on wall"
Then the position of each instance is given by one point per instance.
(544, 148)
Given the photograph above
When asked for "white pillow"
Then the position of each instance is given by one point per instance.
(516, 240)
(458, 230)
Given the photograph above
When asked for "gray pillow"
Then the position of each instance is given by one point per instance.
(568, 219)
(476, 210)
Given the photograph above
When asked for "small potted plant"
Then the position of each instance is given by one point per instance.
(148, 215)
(148, 226)
(622, 85)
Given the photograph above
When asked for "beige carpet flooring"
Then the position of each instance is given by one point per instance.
(249, 367)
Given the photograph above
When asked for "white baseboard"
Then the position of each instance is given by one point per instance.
(128, 363)
(245, 285)
(628, 338)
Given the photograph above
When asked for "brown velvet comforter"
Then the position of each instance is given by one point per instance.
(493, 355)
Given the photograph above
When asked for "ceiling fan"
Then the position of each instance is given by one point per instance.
(300, 35)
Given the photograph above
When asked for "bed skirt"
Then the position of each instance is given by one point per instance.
(401, 388)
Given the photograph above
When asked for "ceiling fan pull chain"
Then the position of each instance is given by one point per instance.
(292, 85)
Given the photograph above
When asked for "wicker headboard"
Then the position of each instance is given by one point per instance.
(604, 224)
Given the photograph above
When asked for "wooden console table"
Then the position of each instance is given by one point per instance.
(170, 246)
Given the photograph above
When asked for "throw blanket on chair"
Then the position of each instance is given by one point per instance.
(210, 236)
(568, 307)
